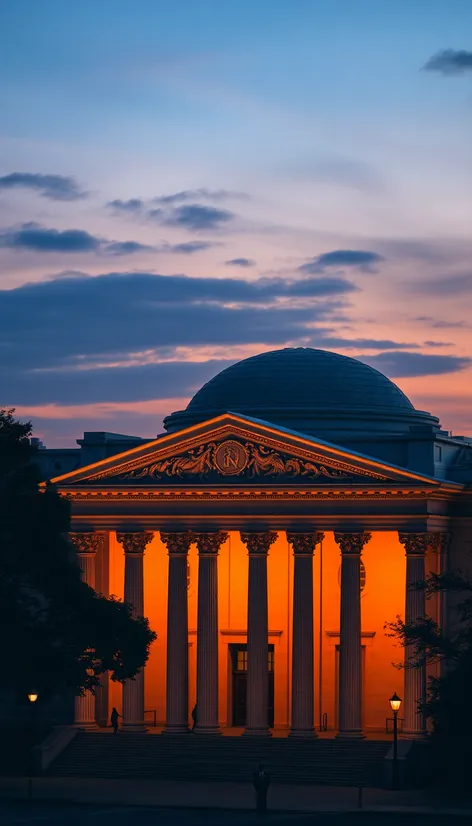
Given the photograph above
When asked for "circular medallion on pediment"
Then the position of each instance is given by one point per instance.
(230, 458)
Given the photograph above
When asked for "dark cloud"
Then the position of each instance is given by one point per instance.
(52, 333)
(450, 62)
(198, 217)
(180, 209)
(363, 260)
(126, 248)
(56, 187)
(40, 239)
(408, 365)
(188, 247)
(241, 262)
(439, 324)
(34, 237)
(132, 205)
(431, 343)
(200, 194)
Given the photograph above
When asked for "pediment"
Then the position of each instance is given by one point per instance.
(236, 450)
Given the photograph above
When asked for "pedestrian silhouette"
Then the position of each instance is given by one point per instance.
(261, 783)
(114, 719)
(194, 716)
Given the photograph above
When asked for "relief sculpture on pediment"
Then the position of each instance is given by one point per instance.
(231, 458)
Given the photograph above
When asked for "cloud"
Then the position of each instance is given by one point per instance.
(175, 211)
(200, 194)
(56, 187)
(440, 324)
(450, 62)
(126, 248)
(241, 262)
(431, 343)
(198, 217)
(147, 318)
(363, 260)
(408, 365)
(132, 205)
(37, 238)
(188, 247)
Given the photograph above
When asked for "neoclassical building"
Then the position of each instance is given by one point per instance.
(269, 534)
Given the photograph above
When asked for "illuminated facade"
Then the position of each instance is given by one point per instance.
(269, 545)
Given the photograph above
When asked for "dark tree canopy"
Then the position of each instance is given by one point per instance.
(57, 632)
(448, 704)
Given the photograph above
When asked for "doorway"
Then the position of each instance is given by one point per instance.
(238, 654)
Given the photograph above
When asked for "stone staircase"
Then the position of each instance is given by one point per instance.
(196, 757)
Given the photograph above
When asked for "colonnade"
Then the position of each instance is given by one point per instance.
(303, 678)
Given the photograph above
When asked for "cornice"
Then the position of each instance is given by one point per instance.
(86, 494)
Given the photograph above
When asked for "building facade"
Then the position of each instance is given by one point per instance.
(269, 535)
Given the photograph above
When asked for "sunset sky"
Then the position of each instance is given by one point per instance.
(184, 183)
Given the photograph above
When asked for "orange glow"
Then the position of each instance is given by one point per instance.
(382, 599)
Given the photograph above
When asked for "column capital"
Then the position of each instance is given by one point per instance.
(177, 544)
(304, 544)
(258, 544)
(86, 543)
(134, 544)
(440, 542)
(209, 544)
(352, 543)
(415, 544)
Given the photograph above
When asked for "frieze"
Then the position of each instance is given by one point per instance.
(231, 458)
(228, 495)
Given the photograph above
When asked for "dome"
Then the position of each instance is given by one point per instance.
(304, 389)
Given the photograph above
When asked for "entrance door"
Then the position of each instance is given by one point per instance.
(239, 677)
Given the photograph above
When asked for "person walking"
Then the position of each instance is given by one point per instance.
(261, 783)
(194, 717)
(114, 719)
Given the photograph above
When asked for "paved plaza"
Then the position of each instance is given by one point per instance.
(47, 814)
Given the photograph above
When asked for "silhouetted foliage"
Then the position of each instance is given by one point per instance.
(57, 633)
(448, 704)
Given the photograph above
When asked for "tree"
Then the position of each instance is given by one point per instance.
(57, 633)
(448, 703)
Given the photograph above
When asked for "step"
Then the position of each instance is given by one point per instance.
(196, 757)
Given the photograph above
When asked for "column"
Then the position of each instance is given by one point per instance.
(134, 545)
(440, 542)
(257, 711)
(86, 546)
(350, 649)
(416, 545)
(303, 675)
(208, 545)
(177, 633)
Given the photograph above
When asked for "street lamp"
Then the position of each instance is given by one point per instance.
(32, 699)
(395, 703)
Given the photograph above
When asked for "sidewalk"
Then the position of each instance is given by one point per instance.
(210, 795)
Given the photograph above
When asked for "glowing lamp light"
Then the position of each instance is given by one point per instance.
(395, 703)
(33, 697)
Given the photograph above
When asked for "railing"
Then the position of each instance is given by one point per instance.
(154, 715)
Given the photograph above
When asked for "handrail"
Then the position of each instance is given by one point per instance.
(154, 715)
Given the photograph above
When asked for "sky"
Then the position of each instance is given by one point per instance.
(184, 184)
